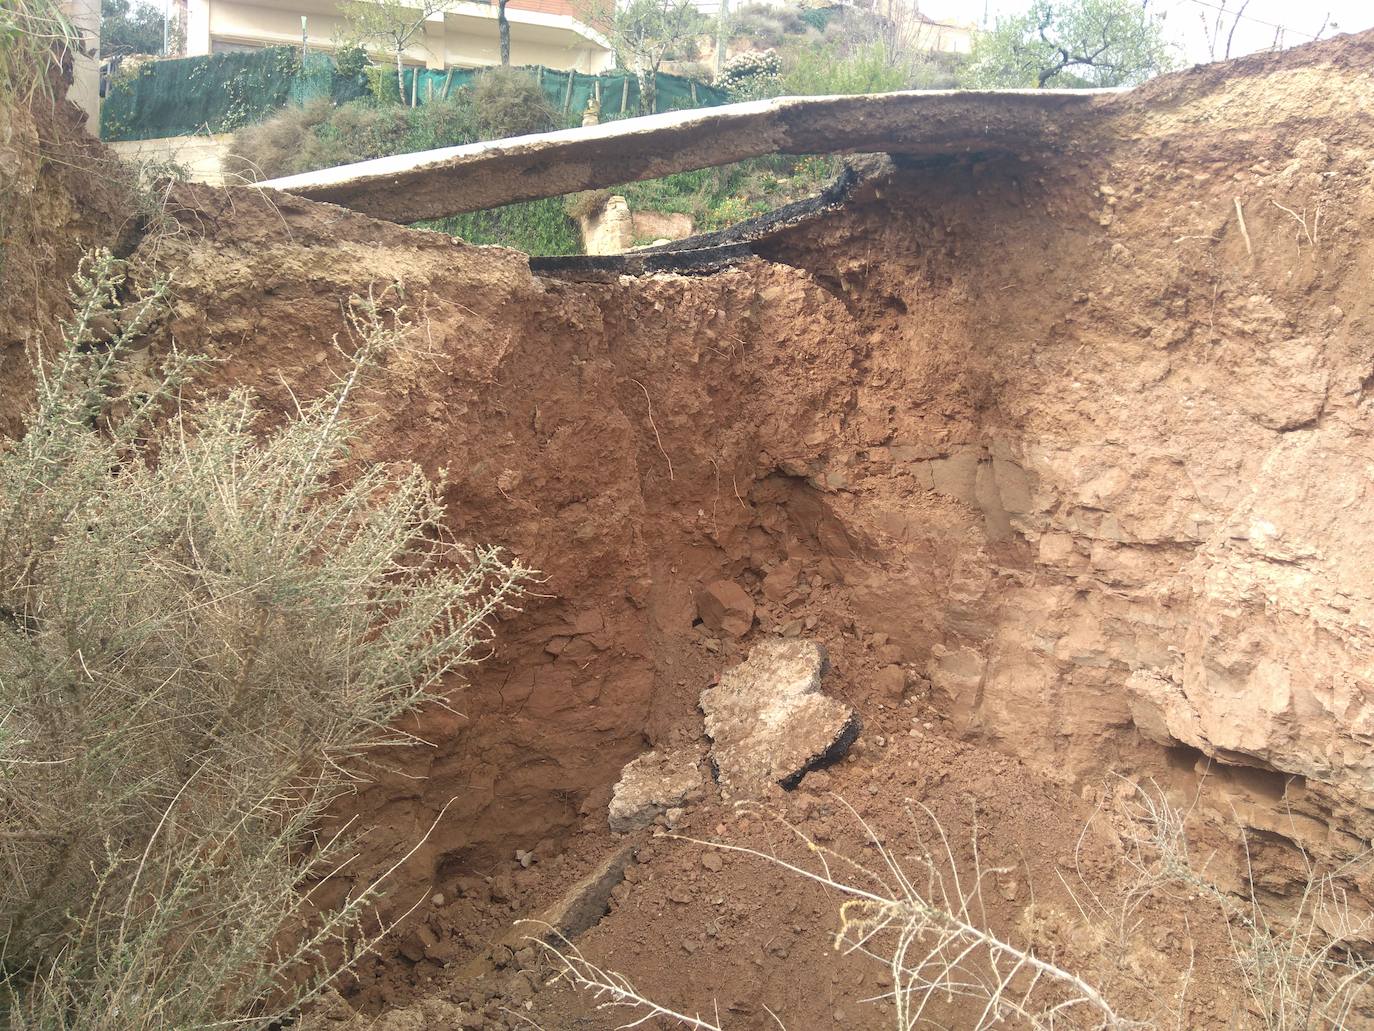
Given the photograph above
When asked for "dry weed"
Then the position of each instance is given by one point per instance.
(208, 627)
(926, 922)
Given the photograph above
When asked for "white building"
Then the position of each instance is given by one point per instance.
(547, 32)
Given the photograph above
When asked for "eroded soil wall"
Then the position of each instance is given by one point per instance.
(61, 193)
(1077, 436)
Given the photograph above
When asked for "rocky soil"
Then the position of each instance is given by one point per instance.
(1061, 455)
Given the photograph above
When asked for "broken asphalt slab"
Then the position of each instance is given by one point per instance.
(651, 785)
(769, 723)
(437, 183)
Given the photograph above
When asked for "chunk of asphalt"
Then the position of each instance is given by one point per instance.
(769, 721)
(651, 785)
(579, 910)
(587, 901)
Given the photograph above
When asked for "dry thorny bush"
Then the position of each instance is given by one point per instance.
(1304, 970)
(925, 921)
(208, 625)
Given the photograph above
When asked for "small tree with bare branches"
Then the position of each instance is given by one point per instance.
(393, 25)
(645, 33)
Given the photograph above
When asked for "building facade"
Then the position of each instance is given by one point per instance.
(548, 32)
(84, 91)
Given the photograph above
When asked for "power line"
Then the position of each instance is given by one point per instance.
(1252, 18)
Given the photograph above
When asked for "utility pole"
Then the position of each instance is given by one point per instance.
(722, 19)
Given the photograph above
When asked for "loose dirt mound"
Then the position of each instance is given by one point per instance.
(1067, 447)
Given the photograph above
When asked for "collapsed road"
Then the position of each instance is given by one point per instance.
(438, 183)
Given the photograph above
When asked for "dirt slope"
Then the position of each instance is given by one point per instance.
(61, 192)
(1076, 438)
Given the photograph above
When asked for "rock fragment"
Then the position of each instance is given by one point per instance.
(890, 682)
(650, 786)
(769, 722)
(726, 607)
(781, 579)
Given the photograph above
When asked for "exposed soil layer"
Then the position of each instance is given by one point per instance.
(731, 936)
(1062, 454)
(61, 193)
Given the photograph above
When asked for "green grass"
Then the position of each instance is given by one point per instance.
(817, 71)
(35, 35)
(535, 227)
(714, 198)
(719, 197)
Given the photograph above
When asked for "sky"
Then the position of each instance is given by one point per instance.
(1299, 20)
(1191, 24)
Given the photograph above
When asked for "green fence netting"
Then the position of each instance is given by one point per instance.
(217, 93)
(569, 92)
(223, 92)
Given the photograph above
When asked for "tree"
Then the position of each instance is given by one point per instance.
(1071, 43)
(905, 34)
(645, 33)
(392, 24)
(129, 28)
(503, 31)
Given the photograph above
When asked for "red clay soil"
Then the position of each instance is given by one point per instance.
(1063, 455)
